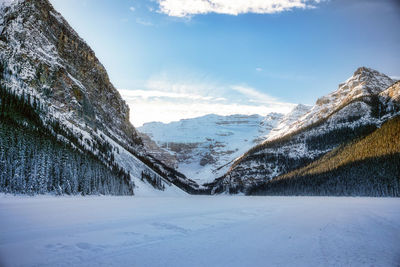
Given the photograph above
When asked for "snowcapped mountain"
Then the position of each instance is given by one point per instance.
(364, 82)
(47, 66)
(352, 111)
(288, 120)
(205, 147)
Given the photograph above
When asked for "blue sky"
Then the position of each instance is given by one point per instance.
(176, 59)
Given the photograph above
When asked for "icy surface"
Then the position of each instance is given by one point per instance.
(199, 231)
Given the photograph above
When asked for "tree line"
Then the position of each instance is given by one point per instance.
(34, 161)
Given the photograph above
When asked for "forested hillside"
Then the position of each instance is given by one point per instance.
(54, 85)
(369, 166)
(33, 161)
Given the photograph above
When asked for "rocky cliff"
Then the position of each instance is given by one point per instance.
(45, 62)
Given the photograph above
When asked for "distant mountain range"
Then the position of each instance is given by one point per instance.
(312, 150)
(204, 148)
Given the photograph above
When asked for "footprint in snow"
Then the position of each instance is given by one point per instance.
(171, 227)
(83, 245)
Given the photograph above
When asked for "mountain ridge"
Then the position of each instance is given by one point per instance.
(204, 146)
(45, 62)
(347, 119)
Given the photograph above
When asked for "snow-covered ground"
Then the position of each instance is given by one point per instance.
(199, 231)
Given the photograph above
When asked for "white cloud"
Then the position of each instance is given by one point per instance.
(259, 69)
(145, 109)
(254, 95)
(147, 94)
(185, 8)
(132, 8)
(166, 100)
(191, 84)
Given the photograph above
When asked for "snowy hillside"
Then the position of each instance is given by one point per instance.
(205, 147)
(46, 65)
(354, 110)
(288, 120)
(199, 231)
(364, 82)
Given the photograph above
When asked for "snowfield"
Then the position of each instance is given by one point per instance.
(199, 231)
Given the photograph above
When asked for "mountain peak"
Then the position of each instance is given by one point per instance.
(364, 70)
(300, 107)
(365, 81)
(288, 121)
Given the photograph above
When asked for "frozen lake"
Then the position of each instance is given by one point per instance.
(199, 231)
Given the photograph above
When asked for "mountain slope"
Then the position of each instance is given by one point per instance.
(50, 68)
(364, 82)
(353, 111)
(204, 147)
(366, 167)
(288, 120)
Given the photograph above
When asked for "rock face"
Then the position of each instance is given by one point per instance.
(392, 94)
(61, 67)
(354, 110)
(158, 152)
(205, 147)
(42, 57)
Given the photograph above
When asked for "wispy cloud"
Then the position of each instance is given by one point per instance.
(132, 8)
(144, 22)
(185, 8)
(148, 94)
(165, 99)
(253, 95)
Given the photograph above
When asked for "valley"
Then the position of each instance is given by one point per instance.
(228, 166)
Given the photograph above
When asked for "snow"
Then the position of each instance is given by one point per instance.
(199, 231)
(222, 139)
(135, 167)
(38, 46)
(288, 120)
(7, 3)
(364, 82)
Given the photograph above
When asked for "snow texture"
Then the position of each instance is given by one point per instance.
(348, 109)
(205, 146)
(40, 47)
(289, 119)
(199, 231)
(364, 82)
